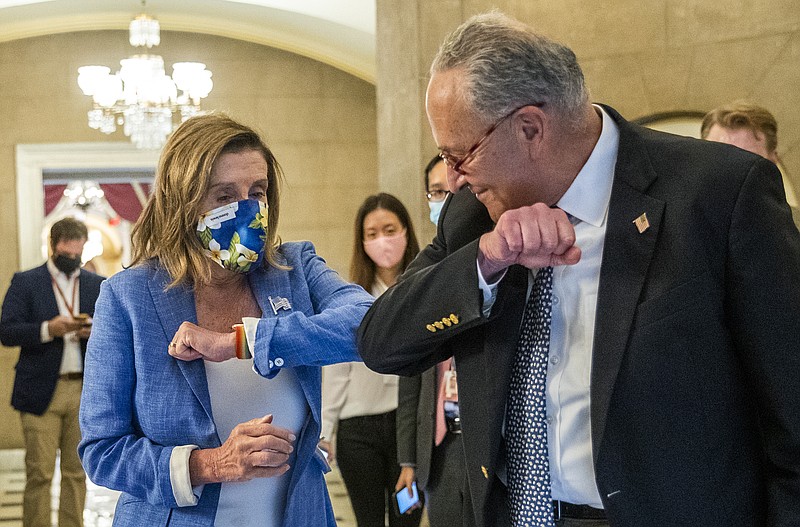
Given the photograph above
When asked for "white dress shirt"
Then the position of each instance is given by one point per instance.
(71, 359)
(572, 326)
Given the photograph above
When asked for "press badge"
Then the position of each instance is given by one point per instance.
(450, 386)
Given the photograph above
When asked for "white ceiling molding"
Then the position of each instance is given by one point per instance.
(340, 33)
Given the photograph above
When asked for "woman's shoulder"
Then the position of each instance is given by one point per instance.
(296, 253)
(137, 276)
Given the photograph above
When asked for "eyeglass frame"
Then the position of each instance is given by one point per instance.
(455, 164)
(429, 195)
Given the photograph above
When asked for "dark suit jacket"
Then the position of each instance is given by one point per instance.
(416, 422)
(695, 382)
(30, 301)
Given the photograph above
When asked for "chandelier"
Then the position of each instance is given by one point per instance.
(141, 97)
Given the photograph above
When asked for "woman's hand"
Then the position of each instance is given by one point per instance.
(255, 449)
(330, 449)
(193, 342)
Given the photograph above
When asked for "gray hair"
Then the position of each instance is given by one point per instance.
(507, 65)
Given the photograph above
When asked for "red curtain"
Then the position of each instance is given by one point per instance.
(120, 196)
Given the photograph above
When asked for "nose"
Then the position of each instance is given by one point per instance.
(455, 180)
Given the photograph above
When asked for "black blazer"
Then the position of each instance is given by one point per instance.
(695, 381)
(30, 301)
(416, 423)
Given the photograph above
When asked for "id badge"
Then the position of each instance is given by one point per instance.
(450, 386)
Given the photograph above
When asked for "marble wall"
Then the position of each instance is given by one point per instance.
(642, 57)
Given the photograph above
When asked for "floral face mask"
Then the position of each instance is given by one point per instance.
(235, 235)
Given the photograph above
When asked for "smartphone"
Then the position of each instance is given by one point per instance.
(403, 501)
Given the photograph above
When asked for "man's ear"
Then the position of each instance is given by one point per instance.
(530, 124)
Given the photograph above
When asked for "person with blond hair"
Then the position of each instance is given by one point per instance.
(201, 398)
(744, 124)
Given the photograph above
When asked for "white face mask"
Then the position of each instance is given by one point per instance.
(436, 209)
(386, 251)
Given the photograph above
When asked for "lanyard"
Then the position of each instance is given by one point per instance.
(70, 306)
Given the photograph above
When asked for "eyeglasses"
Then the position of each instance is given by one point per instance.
(456, 163)
(437, 195)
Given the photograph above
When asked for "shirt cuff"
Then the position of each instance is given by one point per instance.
(489, 291)
(44, 333)
(185, 495)
(412, 465)
(250, 328)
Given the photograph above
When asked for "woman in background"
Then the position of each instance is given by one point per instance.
(359, 404)
(196, 424)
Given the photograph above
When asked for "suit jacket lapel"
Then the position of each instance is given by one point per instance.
(49, 298)
(175, 306)
(626, 258)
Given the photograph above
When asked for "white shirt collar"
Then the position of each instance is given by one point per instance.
(588, 197)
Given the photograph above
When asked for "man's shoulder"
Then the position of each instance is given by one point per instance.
(37, 273)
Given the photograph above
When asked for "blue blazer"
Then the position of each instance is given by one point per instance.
(138, 402)
(30, 301)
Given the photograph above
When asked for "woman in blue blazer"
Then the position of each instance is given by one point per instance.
(201, 398)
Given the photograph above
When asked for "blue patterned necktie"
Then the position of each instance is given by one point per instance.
(529, 496)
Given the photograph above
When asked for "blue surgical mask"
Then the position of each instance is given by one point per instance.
(235, 235)
(436, 209)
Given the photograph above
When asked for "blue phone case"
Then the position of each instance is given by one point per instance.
(404, 501)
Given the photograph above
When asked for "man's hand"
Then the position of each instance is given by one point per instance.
(193, 342)
(61, 325)
(408, 475)
(534, 236)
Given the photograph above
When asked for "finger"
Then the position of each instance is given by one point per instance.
(268, 458)
(570, 257)
(269, 472)
(566, 236)
(266, 429)
(270, 442)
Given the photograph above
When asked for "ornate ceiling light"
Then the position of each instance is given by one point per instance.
(141, 97)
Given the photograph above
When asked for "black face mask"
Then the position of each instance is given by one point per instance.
(66, 264)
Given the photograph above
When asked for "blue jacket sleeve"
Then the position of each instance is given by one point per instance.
(323, 334)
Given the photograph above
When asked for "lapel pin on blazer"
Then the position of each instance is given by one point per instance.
(641, 223)
(279, 303)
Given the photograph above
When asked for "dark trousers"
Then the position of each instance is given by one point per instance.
(366, 451)
(449, 503)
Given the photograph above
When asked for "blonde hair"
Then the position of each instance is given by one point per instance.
(744, 114)
(165, 231)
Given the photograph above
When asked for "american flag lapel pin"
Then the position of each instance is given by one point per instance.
(641, 223)
(279, 303)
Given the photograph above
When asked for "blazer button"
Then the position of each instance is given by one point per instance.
(279, 362)
(485, 472)
(431, 328)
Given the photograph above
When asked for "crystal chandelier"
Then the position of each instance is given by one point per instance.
(140, 96)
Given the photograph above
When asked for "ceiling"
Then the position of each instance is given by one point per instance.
(337, 32)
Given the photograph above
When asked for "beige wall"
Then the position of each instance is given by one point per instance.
(319, 121)
(640, 56)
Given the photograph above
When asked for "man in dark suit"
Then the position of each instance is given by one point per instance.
(47, 312)
(429, 446)
(669, 392)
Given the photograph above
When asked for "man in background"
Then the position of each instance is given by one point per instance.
(743, 124)
(429, 446)
(47, 311)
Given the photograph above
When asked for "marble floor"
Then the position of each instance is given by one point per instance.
(100, 502)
